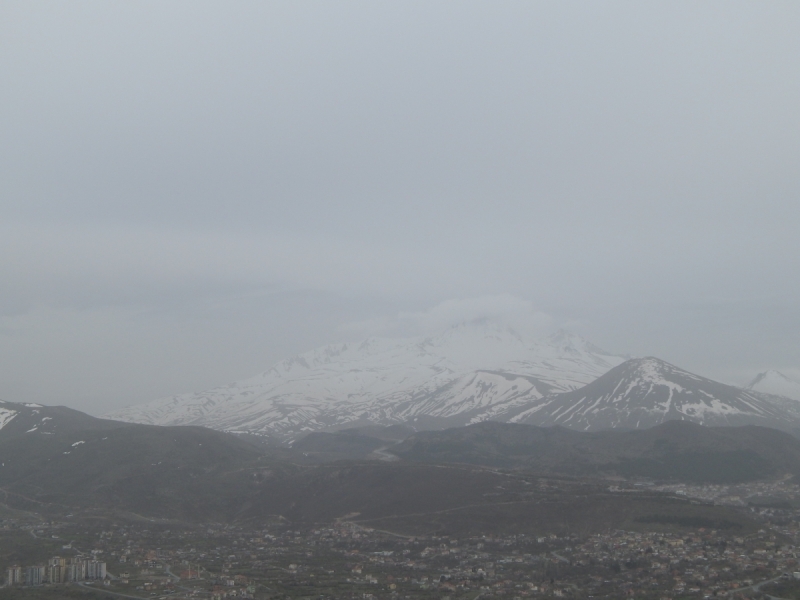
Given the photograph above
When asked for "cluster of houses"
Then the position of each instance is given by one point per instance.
(57, 570)
(347, 559)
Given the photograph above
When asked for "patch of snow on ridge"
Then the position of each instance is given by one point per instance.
(6, 416)
(651, 370)
(716, 407)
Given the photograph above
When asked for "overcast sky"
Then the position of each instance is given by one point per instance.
(191, 191)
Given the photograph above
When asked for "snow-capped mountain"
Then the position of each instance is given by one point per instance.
(775, 383)
(471, 372)
(645, 392)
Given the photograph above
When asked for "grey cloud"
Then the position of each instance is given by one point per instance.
(190, 166)
(512, 311)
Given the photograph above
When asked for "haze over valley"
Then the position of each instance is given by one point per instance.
(413, 300)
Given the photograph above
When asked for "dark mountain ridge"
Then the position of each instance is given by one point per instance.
(55, 459)
(197, 475)
(70, 463)
(18, 420)
(675, 450)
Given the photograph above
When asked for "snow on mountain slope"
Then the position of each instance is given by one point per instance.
(642, 393)
(6, 415)
(464, 374)
(775, 383)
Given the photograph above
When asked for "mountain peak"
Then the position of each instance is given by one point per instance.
(653, 369)
(482, 326)
(572, 343)
(768, 375)
(473, 371)
(645, 392)
(775, 383)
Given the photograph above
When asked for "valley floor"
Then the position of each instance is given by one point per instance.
(680, 557)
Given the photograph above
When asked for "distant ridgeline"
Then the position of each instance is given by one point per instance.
(475, 372)
(57, 461)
